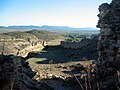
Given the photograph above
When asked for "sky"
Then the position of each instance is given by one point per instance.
(73, 13)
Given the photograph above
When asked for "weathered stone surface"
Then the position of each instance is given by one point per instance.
(15, 74)
(109, 43)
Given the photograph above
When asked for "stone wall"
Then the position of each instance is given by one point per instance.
(108, 65)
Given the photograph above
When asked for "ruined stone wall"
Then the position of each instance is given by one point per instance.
(108, 65)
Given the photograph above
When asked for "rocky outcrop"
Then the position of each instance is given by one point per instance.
(35, 46)
(86, 49)
(80, 44)
(108, 65)
(19, 44)
(75, 45)
(15, 74)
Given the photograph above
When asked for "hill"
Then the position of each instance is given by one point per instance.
(44, 35)
(21, 35)
(45, 27)
(21, 43)
(67, 28)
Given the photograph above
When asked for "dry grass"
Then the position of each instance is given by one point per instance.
(55, 42)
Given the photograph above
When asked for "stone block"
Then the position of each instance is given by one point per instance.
(112, 41)
(118, 42)
(111, 58)
(107, 31)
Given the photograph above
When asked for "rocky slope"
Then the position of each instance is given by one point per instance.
(15, 74)
(75, 45)
(21, 43)
(85, 49)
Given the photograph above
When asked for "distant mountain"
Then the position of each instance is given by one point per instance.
(51, 28)
(66, 28)
(24, 27)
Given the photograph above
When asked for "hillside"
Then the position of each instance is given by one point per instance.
(21, 35)
(21, 43)
(44, 35)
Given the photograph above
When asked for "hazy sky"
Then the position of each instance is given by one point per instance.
(74, 13)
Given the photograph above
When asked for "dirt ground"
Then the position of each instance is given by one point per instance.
(46, 68)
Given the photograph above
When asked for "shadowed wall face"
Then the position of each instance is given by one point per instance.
(109, 45)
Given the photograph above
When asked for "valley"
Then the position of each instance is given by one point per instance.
(53, 63)
(59, 57)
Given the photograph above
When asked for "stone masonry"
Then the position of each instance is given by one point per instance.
(108, 64)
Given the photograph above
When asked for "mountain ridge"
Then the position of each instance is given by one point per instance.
(46, 27)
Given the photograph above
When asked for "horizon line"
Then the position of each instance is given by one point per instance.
(50, 25)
